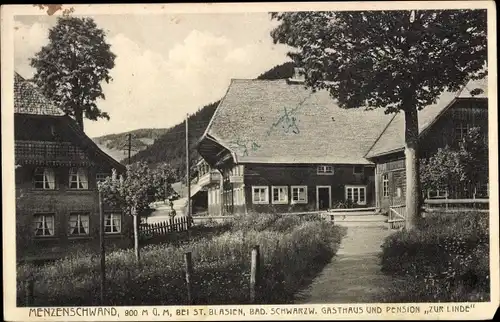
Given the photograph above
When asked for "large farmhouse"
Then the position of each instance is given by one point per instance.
(281, 147)
(57, 170)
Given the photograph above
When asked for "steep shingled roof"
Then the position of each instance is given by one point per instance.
(28, 99)
(264, 121)
(392, 139)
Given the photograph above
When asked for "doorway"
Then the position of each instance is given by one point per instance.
(323, 197)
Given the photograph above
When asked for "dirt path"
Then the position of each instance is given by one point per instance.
(354, 274)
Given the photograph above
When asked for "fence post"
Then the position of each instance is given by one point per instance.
(29, 288)
(189, 270)
(254, 273)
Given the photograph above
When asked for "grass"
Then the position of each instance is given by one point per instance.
(292, 250)
(444, 259)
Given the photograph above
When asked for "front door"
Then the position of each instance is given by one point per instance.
(323, 197)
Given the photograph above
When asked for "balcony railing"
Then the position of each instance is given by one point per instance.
(50, 153)
(209, 178)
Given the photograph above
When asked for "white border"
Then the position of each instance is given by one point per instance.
(480, 310)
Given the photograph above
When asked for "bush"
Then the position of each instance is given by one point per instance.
(292, 250)
(446, 258)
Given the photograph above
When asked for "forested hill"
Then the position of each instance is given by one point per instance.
(116, 145)
(170, 147)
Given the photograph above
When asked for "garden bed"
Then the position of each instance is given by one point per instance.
(293, 251)
(444, 259)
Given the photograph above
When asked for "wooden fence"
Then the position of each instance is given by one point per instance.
(163, 228)
(28, 299)
(397, 216)
(456, 205)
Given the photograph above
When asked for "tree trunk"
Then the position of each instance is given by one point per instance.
(412, 167)
(79, 118)
(136, 238)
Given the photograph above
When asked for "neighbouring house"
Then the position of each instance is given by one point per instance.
(281, 147)
(444, 123)
(57, 170)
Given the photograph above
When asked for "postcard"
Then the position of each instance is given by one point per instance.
(247, 161)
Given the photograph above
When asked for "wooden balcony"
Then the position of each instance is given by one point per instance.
(211, 177)
(50, 153)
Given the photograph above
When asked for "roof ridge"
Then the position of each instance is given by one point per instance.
(380, 135)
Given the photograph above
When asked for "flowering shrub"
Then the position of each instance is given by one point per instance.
(446, 258)
(292, 251)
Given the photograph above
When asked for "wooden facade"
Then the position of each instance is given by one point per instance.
(57, 208)
(447, 130)
(291, 188)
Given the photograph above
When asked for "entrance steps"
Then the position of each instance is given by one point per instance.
(358, 218)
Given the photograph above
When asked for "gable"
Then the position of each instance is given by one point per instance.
(392, 138)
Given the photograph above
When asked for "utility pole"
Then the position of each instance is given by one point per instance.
(103, 252)
(129, 146)
(188, 174)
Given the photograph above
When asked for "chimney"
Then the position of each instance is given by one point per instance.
(299, 76)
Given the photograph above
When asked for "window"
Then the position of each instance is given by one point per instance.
(100, 177)
(461, 131)
(325, 169)
(260, 195)
(280, 195)
(79, 224)
(44, 178)
(356, 194)
(299, 194)
(78, 178)
(44, 225)
(112, 223)
(385, 185)
(358, 169)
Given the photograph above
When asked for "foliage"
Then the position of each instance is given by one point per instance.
(141, 139)
(141, 185)
(475, 156)
(71, 67)
(170, 148)
(221, 266)
(441, 169)
(397, 60)
(166, 147)
(344, 204)
(449, 166)
(382, 58)
(445, 259)
(283, 71)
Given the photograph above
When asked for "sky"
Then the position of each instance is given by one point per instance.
(166, 65)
